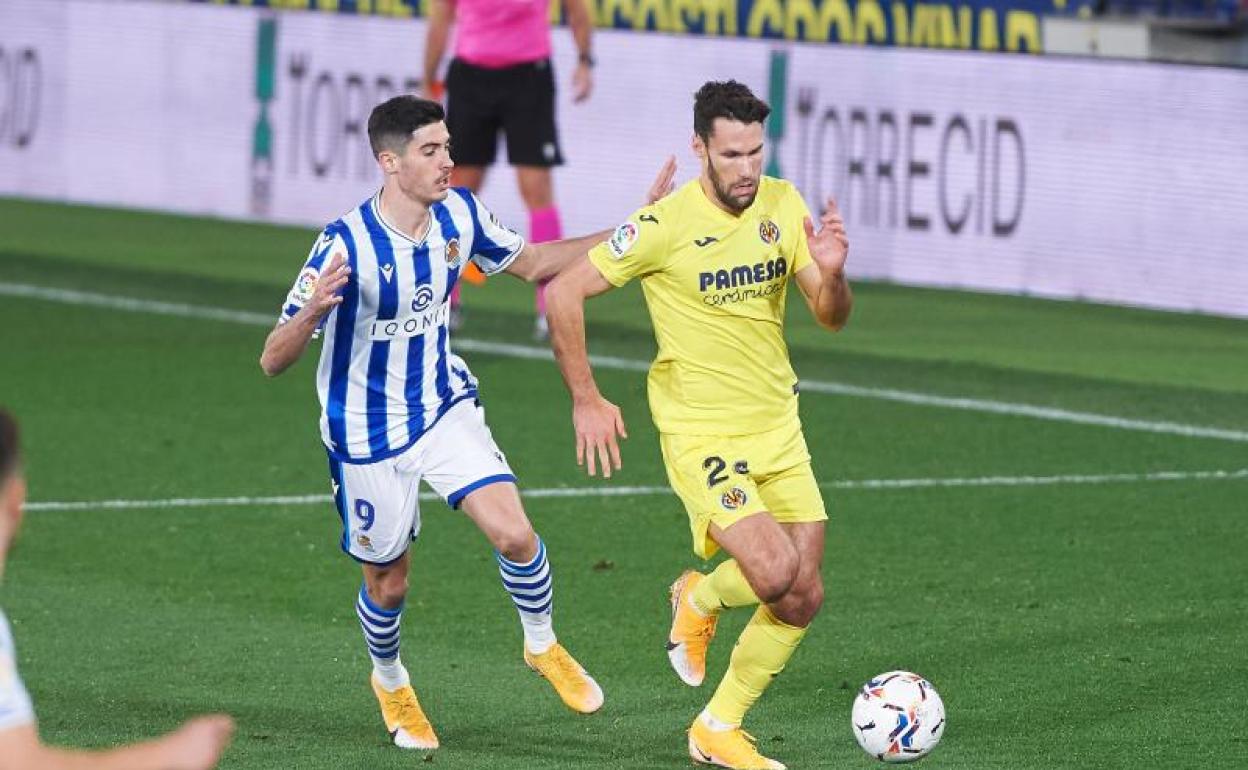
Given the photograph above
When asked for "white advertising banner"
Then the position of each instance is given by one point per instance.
(129, 104)
(1107, 181)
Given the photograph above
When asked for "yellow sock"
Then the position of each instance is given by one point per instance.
(763, 649)
(724, 587)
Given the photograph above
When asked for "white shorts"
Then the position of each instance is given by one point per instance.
(378, 501)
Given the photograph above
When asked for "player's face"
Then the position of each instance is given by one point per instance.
(423, 171)
(732, 161)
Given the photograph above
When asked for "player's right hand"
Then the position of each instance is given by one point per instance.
(197, 745)
(326, 296)
(662, 185)
(597, 422)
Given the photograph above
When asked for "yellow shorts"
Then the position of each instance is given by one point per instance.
(727, 478)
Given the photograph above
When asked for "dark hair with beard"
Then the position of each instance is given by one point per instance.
(392, 123)
(10, 455)
(726, 99)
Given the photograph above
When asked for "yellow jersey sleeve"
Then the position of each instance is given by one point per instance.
(637, 248)
(795, 213)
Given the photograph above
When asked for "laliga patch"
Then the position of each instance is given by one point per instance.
(452, 250)
(306, 285)
(733, 499)
(622, 239)
(768, 231)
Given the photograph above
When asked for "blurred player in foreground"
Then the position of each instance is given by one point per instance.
(194, 746)
(398, 406)
(715, 259)
(501, 78)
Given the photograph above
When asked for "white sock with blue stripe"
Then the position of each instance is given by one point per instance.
(532, 590)
(381, 632)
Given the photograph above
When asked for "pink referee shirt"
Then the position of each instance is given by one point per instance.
(502, 33)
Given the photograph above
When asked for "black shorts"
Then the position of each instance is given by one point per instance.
(520, 100)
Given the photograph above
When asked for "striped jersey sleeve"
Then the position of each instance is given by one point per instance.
(494, 246)
(328, 243)
(15, 708)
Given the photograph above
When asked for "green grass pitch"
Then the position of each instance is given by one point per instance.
(1067, 625)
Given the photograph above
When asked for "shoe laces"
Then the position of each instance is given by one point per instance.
(748, 744)
(409, 711)
(567, 666)
(701, 636)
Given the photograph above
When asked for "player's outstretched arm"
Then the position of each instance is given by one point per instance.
(542, 261)
(195, 745)
(596, 420)
(287, 341)
(824, 284)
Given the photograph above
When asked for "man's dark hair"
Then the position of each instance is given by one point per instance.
(391, 124)
(9, 450)
(726, 99)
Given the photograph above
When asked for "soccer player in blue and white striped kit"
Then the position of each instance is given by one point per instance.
(398, 406)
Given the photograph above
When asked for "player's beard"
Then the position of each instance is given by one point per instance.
(736, 203)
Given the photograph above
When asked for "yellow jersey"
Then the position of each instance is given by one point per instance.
(715, 285)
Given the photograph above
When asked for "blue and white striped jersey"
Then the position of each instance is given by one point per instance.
(387, 373)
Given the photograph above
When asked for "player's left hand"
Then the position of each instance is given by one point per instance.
(830, 246)
(598, 422)
(663, 182)
(582, 82)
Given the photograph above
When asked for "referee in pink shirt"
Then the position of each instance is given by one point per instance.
(500, 77)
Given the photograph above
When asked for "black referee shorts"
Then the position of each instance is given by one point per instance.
(520, 100)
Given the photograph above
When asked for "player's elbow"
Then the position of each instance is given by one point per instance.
(528, 267)
(835, 324)
(532, 274)
(837, 317)
(270, 365)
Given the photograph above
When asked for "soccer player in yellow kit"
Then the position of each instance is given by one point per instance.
(715, 258)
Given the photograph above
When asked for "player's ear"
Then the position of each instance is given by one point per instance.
(699, 146)
(388, 161)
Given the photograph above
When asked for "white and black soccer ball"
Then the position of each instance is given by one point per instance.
(898, 717)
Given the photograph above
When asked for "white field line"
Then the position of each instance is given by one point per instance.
(604, 491)
(609, 362)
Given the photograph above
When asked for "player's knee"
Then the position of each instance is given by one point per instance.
(390, 589)
(811, 598)
(802, 603)
(517, 544)
(777, 580)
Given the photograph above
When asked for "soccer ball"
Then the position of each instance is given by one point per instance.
(898, 717)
